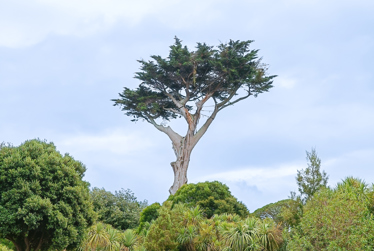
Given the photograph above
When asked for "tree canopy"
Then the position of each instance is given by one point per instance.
(121, 209)
(43, 201)
(212, 197)
(185, 82)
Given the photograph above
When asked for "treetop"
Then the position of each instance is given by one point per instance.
(168, 84)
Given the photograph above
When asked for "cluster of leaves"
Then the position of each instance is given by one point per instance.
(212, 197)
(192, 75)
(148, 215)
(180, 227)
(321, 218)
(45, 205)
(103, 236)
(205, 216)
(43, 201)
(337, 219)
(121, 209)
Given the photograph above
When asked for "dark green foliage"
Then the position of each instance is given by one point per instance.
(121, 209)
(148, 214)
(212, 197)
(337, 219)
(43, 201)
(311, 179)
(219, 72)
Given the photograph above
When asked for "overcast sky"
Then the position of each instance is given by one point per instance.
(62, 61)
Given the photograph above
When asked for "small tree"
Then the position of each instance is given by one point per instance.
(43, 201)
(311, 179)
(182, 84)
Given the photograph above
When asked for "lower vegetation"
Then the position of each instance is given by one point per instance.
(45, 205)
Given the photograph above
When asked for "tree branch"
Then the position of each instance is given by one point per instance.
(40, 242)
(176, 102)
(205, 127)
(185, 100)
(174, 137)
(199, 107)
(231, 103)
(27, 243)
(232, 94)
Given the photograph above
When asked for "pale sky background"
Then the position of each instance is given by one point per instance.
(62, 61)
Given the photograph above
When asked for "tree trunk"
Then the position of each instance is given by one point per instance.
(180, 166)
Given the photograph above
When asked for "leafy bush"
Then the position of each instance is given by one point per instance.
(148, 215)
(338, 219)
(212, 197)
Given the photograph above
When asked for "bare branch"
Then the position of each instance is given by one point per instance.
(232, 94)
(233, 102)
(199, 107)
(174, 137)
(205, 127)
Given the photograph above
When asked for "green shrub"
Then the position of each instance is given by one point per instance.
(212, 197)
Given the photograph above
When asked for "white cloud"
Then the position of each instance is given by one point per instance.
(266, 179)
(24, 23)
(114, 141)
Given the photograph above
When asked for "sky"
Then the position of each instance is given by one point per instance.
(62, 61)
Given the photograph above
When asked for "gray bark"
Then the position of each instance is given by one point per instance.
(183, 146)
(182, 152)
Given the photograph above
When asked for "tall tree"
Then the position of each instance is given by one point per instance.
(311, 179)
(44, 204)
(182, 84)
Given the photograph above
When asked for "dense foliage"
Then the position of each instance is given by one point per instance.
(121, 209)
(43, 201)
(212, 197)
(148, 215)
(104, 237)
(45, 205)
(337, 219)
(184, 228)
(189, 76)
